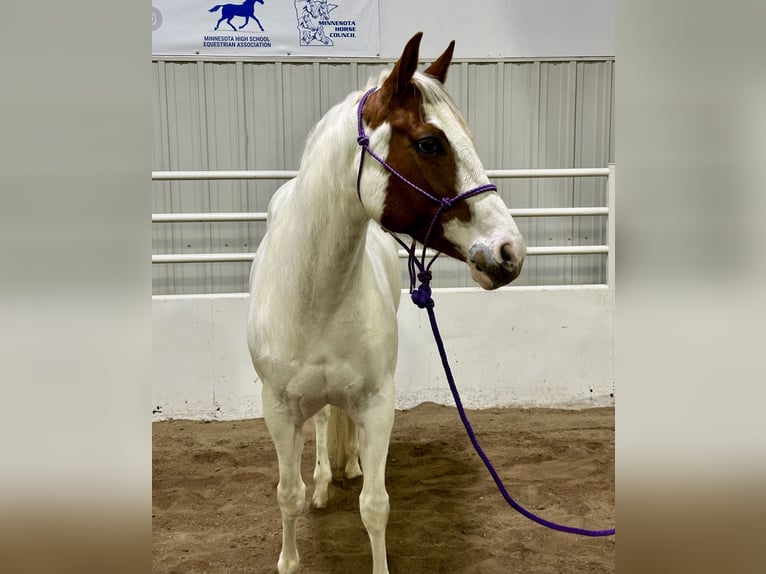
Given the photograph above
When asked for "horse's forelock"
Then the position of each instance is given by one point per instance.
(433, 93)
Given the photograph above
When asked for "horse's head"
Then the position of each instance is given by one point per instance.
(415, 126)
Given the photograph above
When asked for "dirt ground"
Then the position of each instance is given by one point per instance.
(215, 508)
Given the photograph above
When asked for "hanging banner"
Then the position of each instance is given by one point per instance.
(265, 28)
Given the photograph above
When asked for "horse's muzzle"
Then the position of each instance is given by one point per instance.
(493, 268)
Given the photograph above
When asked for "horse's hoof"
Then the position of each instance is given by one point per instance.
(319, 500)
(353, 471)
(287, 566)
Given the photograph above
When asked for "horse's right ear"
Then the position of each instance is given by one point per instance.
(405, 67)
(440, 67)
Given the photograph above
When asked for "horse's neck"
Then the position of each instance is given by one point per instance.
(330, 240)
(323, 226)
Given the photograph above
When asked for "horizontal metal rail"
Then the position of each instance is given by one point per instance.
(568, 250)
(247, 257)
(548, 173)
(210, 175)
(197, 217)
(289, 174)
(558, 211)
(261, 216)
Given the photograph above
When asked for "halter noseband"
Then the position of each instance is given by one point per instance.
(422, 295)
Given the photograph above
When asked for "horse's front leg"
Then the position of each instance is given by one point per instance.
(287, 435)
(352, 469)
(322, 469)
(375, 423)
(257, 21)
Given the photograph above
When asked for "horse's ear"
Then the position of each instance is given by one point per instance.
(440, 67)
(405, 67)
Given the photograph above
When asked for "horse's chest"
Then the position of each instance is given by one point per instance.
(338, 361)
(320, 378)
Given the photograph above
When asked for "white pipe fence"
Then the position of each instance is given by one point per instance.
(608, 172)
(246, 257)
(261, 216)
(289, 174)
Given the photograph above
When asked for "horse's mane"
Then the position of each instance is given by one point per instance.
(333, 133)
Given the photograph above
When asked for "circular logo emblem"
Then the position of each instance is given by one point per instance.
(156, 19)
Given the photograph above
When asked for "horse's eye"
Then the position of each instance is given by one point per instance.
(428, 146)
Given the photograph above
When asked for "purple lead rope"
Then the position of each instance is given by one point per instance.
(421, 296)
(472, 436)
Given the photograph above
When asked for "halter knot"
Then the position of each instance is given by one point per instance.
(425, 276)
(363, 140)
(446, 202)
(422, 295)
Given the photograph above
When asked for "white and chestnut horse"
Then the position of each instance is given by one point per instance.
(325, 283)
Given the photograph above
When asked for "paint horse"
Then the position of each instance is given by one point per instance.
(246, 10)
(325, 282)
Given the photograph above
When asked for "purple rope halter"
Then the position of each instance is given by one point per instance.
(421, 296)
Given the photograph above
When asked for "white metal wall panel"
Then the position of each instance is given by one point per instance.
(224, 114)
(265, 144)
(555, 150)
(592, 147)
(256, 115)
(187, 148)
(162, 235)
(519, 140)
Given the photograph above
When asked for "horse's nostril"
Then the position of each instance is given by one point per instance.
(506, 252)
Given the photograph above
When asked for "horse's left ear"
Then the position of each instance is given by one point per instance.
(440, 67)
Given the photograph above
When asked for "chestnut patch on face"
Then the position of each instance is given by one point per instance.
(422, 153)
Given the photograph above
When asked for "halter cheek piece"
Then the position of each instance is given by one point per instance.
(422, 295)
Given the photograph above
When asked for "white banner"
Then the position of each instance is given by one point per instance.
(265, 28)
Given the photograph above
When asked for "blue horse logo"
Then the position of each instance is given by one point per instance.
(246, 10)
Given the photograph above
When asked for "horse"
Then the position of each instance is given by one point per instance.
(229, 11)
(325, 282)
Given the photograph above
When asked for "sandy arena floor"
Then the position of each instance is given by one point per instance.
(215, 509)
